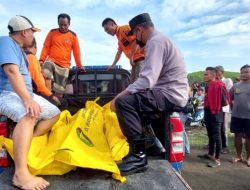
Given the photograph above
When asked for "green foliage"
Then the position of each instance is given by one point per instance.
(232, 75)
(198, 76)
(195, 76)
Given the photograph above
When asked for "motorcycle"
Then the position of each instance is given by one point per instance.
(194, 113)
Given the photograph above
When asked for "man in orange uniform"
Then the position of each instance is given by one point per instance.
(56, 55)
(38, 82)
(127, 45)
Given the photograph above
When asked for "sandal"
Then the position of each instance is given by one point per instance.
(248, 162)
(213, 164)
(237, 160)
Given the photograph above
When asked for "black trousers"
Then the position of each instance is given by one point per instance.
(214, 136)
(137, 110)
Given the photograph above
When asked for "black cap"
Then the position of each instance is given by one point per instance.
(139, 19)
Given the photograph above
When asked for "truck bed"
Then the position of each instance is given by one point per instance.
(159, 175)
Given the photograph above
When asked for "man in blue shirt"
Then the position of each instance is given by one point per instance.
(18, 102)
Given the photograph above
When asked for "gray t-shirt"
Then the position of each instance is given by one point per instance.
(240, 94)
(164, 69)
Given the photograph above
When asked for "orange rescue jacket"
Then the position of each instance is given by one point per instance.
(125, 42)
(38, 81)
(58, 46)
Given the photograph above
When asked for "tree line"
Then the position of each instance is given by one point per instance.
(198, 76)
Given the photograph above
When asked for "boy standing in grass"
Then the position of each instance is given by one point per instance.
(240, 122)
(215, 98)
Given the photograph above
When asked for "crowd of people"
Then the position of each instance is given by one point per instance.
(31, 90)
(226, 107)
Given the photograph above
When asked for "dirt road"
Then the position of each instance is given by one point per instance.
(226, 177)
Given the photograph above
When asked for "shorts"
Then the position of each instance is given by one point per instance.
(57, 74)
(11, 105)
(239, 125)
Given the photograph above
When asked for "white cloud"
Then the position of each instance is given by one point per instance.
(180, 15)
(202, 54)
(229, 54)
(246, 2)
(243, 40)
(190, 35)
(76, 4)
(230, 6)
(183, 9)
(122, 3)
(220, 31)
(84, 4)
(240, 24)
(3, 10)
(199, 20)
(216, 53)
(187, 53)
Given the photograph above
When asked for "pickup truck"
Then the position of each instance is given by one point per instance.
(163, 173)
(96, 82)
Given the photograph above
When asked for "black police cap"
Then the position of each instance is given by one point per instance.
(139, 19)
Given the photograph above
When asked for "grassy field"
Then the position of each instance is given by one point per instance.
(198, 138)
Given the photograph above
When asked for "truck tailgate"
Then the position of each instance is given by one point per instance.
(159, 175)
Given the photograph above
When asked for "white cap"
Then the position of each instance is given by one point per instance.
(19, 23)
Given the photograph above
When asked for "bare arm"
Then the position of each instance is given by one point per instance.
(18, 84)
(77, 53)
(46, 48)
(117, 58)
(134, 48)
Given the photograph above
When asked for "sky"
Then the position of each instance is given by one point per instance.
(208, 32)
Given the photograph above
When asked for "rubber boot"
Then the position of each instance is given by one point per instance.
(136, 160)
(153, 144)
